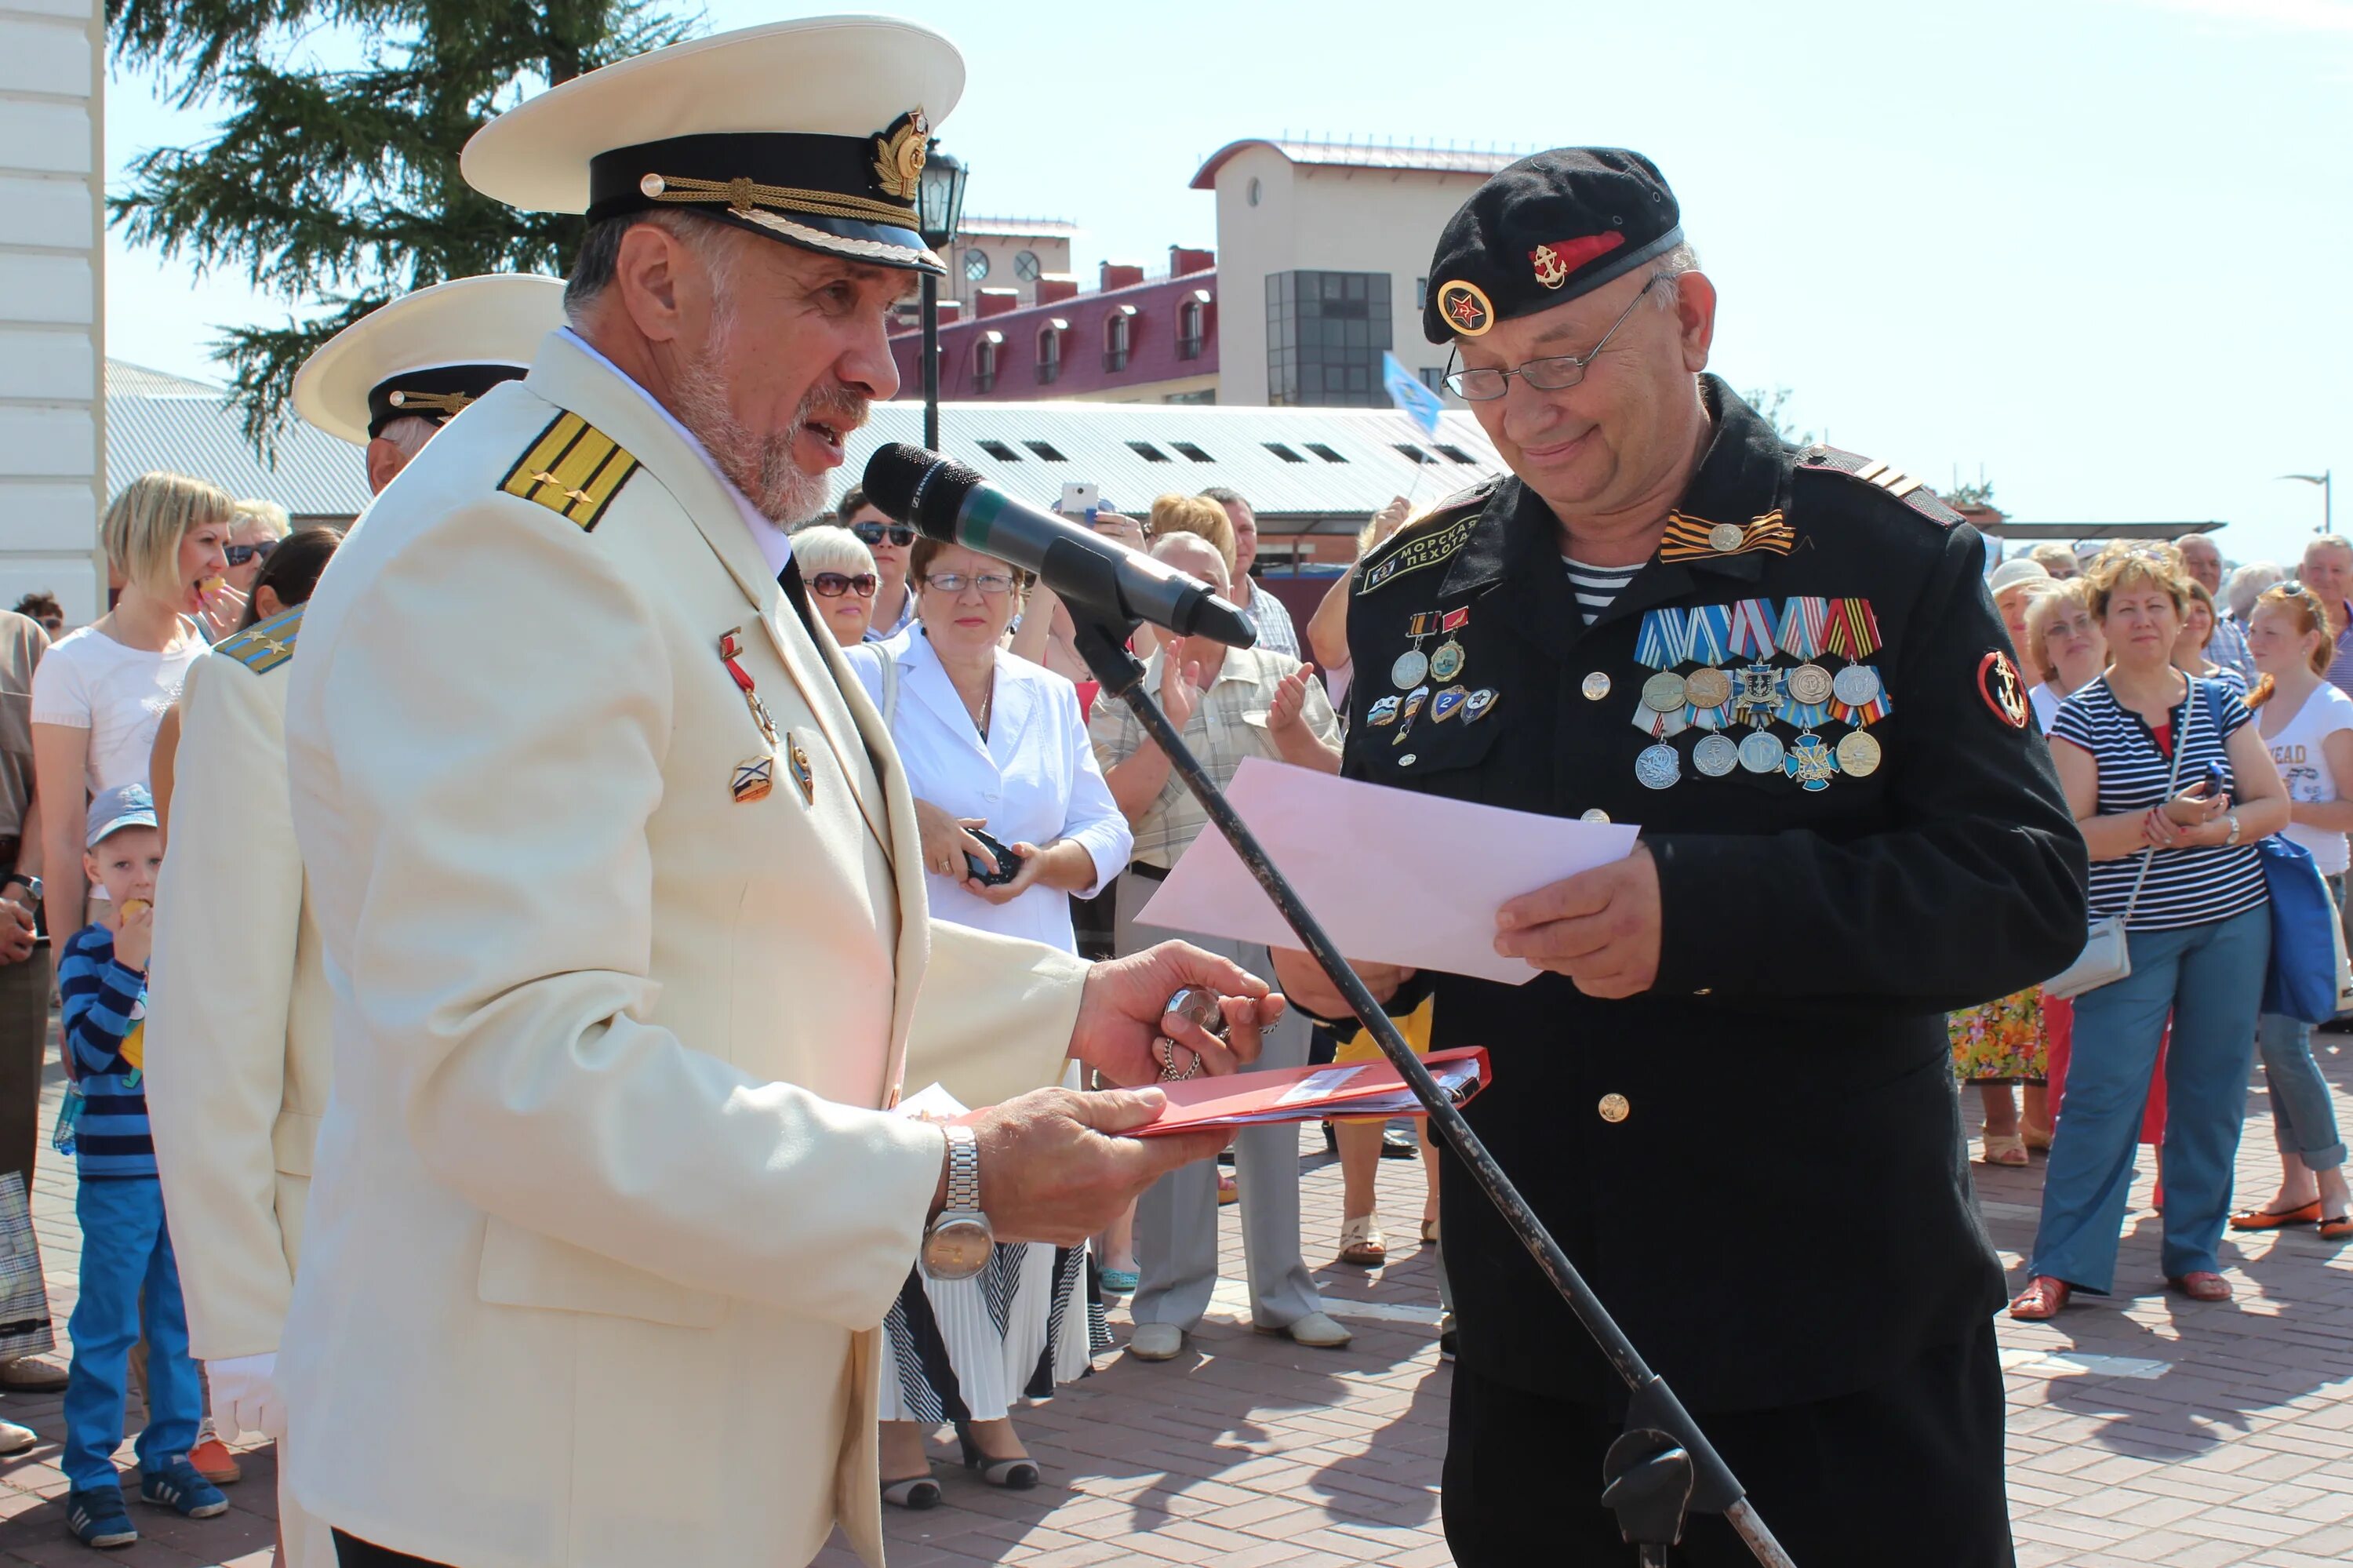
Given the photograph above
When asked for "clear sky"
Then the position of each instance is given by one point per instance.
(2098, 249)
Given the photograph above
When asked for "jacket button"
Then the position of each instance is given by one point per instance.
(1595, 814)
(1596, 685)
(1705, 991)
(1614, 1107)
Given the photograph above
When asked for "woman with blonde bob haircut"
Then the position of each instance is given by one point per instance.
(1195, 515)
(101, 691)
(2173, 856)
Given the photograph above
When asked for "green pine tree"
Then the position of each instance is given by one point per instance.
(338, 190)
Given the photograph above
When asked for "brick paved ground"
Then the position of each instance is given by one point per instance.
(2145, 1430)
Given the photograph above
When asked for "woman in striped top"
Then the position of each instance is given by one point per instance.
(2175, 857)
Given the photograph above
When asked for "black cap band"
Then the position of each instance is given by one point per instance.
(436, 394)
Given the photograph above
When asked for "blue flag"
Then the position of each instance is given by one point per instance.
(1409, 392)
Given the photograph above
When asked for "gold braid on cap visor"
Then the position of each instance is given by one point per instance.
(744, 196)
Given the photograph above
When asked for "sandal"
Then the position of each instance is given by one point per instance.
(2273, 1219)
(1362, 1243)
(2337, 1229)
(918, 1492)
(2004, 1149)
(1018, 1474)
(2037, 1139)
(2201, 1285)
(2041, 1299)
(1429, 1231)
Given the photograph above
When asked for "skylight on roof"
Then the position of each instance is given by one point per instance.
(1413, 452)
(1191, 451)
(1000, 451)
(1147, 451)
(1457, 455)
(1045, 449)
(1326, 453)
(1284, 452)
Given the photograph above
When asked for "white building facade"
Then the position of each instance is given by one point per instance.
(52, 287)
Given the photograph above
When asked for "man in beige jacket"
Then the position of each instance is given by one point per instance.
(238, 1036)
(618, 879)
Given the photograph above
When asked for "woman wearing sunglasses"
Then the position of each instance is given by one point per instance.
(991, 743)
(841, 580)
(890, 544)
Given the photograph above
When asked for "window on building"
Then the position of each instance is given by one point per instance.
(1205, 395)
(1191, 453)
(1421, 293)
(1433, 377)
(1147, 451)
(1115, 340)
(1190, 336)
(1045, 450)
(1026, 266)
(984, 364)
(1326, 453)
(976, 264)
(1326, 333)
(1456, 455)
(1050, 355)
(1284, 452)
(1000, 451)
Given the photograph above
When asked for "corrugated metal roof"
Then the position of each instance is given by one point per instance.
(1091, 442)
(1016, 227)
(1133, 452)
(1363, 155)
(157, 420)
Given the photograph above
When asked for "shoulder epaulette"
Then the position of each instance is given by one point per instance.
(572, 469)
(1424, 541)
(266, 644)
(1913, 492)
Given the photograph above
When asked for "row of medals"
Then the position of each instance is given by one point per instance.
(1441, 663)
(1757, 692)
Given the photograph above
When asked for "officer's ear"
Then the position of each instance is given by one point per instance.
(655, 275)
(1696, 318)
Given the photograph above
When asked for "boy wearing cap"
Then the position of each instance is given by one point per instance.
(128, 1270)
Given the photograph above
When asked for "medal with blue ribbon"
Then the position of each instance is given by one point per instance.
(1664, 641)
(1708, 635)
(1755, 629)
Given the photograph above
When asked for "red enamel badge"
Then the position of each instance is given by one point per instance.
(2003, 692)
(1556, 261)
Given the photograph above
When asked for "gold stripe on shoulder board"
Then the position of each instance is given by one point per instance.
(574, 469)
(267, 644)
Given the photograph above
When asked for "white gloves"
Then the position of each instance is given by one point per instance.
(246, 1396)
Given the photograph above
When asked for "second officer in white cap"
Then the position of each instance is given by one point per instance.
(618, 883)
(238, 1037)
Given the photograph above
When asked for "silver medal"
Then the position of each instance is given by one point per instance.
(1410, 667)
(1857, 685)
(1716, 754)
(1658, 766)
(1761, 752)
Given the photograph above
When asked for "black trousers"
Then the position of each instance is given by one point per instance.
(1909, 1471)
(351, 1552)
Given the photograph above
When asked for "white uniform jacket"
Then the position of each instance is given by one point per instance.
(607, 1211)
(237, 1017)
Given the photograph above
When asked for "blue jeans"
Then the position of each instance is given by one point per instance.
(126, 1254)
(2303, 1120)
(2211, 979)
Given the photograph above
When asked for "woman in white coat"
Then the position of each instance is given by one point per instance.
(994, 743)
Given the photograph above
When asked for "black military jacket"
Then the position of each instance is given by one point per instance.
(1759, 1162)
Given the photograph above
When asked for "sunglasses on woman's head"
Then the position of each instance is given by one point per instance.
(833, 585)
(872, 533)
(239, 554)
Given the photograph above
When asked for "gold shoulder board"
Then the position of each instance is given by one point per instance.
(267, 644)
(574, 469)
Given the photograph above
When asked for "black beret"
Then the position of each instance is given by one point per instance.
(1544, 230)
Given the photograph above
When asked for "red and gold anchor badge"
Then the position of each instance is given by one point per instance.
(2003, 692)
(1556, 261)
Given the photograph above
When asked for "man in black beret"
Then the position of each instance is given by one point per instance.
(1727, 1091)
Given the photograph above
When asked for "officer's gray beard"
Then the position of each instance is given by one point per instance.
(761, 467)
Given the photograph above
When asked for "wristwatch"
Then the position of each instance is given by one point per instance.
(956, 1245)
(2233, 820)
(32, 884)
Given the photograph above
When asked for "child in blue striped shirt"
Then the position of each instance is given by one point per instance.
(126, 1250)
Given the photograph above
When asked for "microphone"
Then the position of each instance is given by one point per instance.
(950, 503)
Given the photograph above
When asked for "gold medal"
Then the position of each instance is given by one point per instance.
(1707, 688)
(1858, 755)
(1810, 683)
(1596, 685)
(1664, 691)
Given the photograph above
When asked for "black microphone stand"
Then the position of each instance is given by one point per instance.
(1662, 1467)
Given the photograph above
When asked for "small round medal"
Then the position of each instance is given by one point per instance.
(1761, 752)
(1707, 688)
(1596, 686)
(1858, 755)
(1447, 662)
(1664, 691)
(1658, 766)
(1410, 667)
(1716, 754)
(1810, 683)
(1593, 814)
(1725, 537)
(1857, 685)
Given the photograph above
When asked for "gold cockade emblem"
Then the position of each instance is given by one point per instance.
(899, 154)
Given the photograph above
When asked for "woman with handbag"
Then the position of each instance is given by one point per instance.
(2172, 785)
(2308, 725)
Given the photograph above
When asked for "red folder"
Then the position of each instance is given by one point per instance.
(1311, 1094)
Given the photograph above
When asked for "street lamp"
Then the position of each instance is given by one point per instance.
(939, 211)
(2327, 499)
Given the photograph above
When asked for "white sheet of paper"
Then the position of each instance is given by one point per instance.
(1395, 877)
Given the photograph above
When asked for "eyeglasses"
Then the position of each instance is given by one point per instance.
(1557, 373)
(833, 585)
(993, 584)
(239, 554)
(872, 533)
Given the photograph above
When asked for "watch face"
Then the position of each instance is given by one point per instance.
(958, 1247)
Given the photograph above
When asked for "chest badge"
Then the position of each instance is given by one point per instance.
(1383, 712)
(1478, 705)
(1447, 704)
(1811, 762)
(1447, 661)
(754, 778)
(801, 774)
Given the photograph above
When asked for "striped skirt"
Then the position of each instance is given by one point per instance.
(970, 1350)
